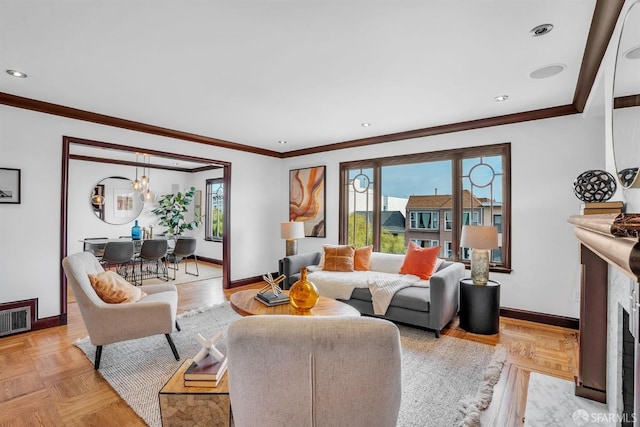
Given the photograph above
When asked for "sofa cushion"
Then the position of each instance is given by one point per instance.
(338, 258)
(386, 263)
(362, 258)
(412, 298)
(422, 262)
(113, 289)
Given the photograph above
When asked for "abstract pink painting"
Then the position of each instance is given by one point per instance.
(307, 199)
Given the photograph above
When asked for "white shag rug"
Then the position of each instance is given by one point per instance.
(445, 381)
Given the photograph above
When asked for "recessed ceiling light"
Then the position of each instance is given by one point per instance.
(365, 125)
(541, 30)
(547, 71)
(282, 142)
(16, 73)
(501, 98)
(633, 53)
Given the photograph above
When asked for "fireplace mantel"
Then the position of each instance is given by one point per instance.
(613, 237)
(606, 239)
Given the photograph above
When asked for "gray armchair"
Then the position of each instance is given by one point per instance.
(314, 371)
(110, 323)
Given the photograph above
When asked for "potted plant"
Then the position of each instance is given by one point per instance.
(170, 212)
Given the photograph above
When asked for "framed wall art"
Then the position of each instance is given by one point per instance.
(9, 185)
(307, 201)
(123, 206)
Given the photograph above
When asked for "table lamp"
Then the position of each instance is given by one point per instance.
(481, 239)
(291, 231)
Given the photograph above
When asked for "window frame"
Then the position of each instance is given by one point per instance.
(456, 156)
(208, 212)
(434, 218)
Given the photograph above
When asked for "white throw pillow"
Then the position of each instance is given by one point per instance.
(386, 263)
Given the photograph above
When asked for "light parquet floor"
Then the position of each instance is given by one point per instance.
(46, 381)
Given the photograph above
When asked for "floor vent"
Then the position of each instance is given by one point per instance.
(15, 320)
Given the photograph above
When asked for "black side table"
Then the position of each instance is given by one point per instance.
(480, 307)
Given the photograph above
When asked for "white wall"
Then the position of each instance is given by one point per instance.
(547, 155)
(30, 232)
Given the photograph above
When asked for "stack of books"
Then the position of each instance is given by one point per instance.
(206, 373)
(270, 298)
(591, 208)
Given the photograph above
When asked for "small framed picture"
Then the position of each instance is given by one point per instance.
(9, 185)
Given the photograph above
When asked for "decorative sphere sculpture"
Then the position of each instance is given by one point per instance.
(594, 186)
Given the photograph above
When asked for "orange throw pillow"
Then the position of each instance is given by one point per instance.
(113, 289)
(420, 261)
(338, 258)
(362, 258)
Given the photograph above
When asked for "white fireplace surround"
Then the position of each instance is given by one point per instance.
(596, 232)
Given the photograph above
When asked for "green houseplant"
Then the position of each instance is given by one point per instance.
(170, 213)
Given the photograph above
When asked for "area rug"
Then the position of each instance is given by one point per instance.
(446, 381)
(552, 401)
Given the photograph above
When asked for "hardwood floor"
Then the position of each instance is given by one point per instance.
(46, 381)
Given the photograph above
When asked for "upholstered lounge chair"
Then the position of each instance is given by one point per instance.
(314, 371)
(111, 323)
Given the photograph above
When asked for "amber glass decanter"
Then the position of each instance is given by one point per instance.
(303, 295)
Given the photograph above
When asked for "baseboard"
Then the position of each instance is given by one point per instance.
(546, 319)
(205, 259)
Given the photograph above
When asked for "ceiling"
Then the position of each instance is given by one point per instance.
(310, 73)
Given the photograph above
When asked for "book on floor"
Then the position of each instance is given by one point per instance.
(208, 369)
(270, 299)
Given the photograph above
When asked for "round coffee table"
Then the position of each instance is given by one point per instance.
(245, 304)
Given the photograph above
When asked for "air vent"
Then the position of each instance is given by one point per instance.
(15, 320)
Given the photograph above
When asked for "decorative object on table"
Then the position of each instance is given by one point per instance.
(271, 294)
(303, 295)
(594, 186)
(307, 199)
(170, 213)
(208, 348)
(628, 176)
(9, 185)
(291, 231)
(206, 373)
(591, 208)
(136, 231)
(480, 239)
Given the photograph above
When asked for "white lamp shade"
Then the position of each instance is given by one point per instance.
(292, 230)
(479, 237)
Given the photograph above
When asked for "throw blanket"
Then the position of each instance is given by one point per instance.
(383, 289)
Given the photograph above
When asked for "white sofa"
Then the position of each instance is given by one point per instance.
(428, 304)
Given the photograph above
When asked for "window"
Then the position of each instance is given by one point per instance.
(426, 243)
(497, 222)
(466, 186)
(214, 224)
(467, 215)
(424, 220)
(448, 252)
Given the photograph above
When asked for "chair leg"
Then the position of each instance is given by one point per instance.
(197, 270)
(96, 363)
(178, 326)
(173, 346)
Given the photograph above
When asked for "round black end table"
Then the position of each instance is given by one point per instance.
(480, 307)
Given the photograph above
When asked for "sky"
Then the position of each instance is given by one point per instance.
(427, 178)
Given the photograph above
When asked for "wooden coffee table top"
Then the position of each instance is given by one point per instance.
(245, 304)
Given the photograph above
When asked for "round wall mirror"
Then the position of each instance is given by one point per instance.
(114, 201)
(626, 101)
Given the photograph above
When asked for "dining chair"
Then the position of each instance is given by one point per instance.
(152, 259)
(120, 255)
(184, 248)
(96, 249)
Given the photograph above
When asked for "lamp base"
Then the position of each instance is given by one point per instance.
(292, 247)
(480, 266)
